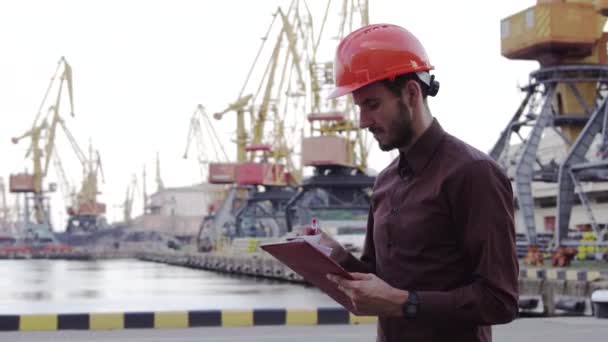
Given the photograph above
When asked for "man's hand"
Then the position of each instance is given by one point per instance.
(371, 295)
(338, 253)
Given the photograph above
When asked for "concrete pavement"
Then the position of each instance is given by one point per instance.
(522, 330)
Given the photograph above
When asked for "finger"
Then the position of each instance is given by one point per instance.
(343, 289)
(349, 293)
(349, 284)
(354, 304)
(348, 290)
(362, 276)
(335, 278)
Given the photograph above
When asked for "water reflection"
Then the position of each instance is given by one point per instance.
(90, 294)
(38, 280)
(92, 267)
(35, 296)
(32, 286)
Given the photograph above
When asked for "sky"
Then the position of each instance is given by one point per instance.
(140, 68)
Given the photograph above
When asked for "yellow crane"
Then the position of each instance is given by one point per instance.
(335, 147)
(282, 78)
(337, 119)
(283, 143)
(239, 106)
(86, 212)
(264, 161)
(201, 131)
(66, 188)
(533, 34)
(83, 208)
(41, 146)
(567, 94)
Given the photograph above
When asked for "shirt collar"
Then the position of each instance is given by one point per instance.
(418, 156)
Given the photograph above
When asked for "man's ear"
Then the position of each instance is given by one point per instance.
(411, 94)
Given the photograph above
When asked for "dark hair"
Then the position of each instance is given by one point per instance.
(397, 84)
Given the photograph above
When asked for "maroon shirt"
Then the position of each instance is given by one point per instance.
(441, 223)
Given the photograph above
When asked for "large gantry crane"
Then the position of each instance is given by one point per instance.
(41, 138)
(86, 213)
(262, 178)
(83, 209)
(566, 95)
(338, 193)
(215, 168)
(205, 139)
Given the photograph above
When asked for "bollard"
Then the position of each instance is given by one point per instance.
(531, 299)
(599, 298)
(551, 289)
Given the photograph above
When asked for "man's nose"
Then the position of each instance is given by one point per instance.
(365, 120)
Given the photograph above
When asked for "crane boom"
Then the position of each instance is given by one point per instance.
(42, 141)
(195, 132)
(292, 43)
(258, 129)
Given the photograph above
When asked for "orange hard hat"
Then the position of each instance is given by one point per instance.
(376, 52)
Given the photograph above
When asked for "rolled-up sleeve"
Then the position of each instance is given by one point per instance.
(481, 201)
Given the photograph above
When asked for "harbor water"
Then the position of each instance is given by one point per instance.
(128, 285)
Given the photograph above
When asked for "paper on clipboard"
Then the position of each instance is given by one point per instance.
(314, 240)
(313, 264)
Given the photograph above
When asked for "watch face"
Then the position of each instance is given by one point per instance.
(411, 309)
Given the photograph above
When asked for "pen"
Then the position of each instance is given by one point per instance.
(314, 227)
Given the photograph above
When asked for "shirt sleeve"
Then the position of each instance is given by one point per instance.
(481, 201)
(367, 262)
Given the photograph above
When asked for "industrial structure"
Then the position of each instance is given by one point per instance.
(176, 210)
(263, 191)
(338, 193)
(85, 212)
(7, 214)
(260, 181)
(567, 95)
(299, 156)
(268, 186)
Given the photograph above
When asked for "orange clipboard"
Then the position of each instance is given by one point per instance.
(312, 265)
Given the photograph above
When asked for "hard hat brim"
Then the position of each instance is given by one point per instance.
(341, 91)
(422, 73)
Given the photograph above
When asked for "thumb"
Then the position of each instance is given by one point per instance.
(362, 276)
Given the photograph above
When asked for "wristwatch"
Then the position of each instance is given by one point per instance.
(411, 307)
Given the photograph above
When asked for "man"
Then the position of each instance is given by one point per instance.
(439, 262)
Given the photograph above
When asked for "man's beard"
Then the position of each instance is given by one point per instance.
(400, 131)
